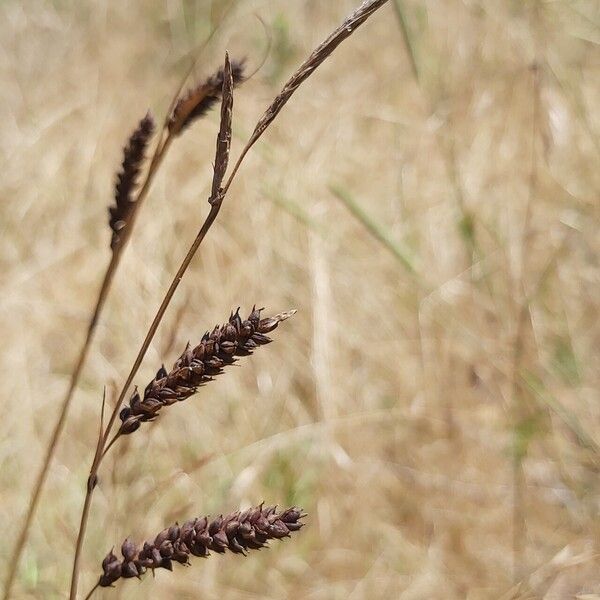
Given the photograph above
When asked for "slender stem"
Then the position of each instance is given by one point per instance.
(237, 165)
(110, 444)
(366, 9)
(212, 215)
(82, 527)
(407, 38)
(89, 594)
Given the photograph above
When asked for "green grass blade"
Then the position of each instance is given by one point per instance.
(374, 228)
(294, 210)
(407, 38)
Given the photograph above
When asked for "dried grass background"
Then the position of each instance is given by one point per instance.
(393, 405)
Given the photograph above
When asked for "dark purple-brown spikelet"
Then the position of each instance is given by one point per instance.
(199, 365)
(133, 158)
(237, 532)
(196, 102)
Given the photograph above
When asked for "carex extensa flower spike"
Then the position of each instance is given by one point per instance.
(237, 532)
(127, 178)
(199, 365)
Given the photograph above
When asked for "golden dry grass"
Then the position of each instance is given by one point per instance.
(396, 408)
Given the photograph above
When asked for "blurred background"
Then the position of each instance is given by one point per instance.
(428, 201)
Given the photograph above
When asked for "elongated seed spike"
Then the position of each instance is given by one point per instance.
(122, 210)
(197, 366)
(236, 532)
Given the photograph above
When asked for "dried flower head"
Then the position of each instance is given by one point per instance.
(238, 532)
(197, 101)
(199, 365)
(133, 158)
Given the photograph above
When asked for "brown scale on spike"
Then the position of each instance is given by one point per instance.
(237, 532)
(197, 366)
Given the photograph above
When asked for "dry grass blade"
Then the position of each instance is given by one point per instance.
(569, 419)
(133, 158)
(237, 532)
(200, 99)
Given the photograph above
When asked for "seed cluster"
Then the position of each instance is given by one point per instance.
(237, 532)
(127, 178)
(199, 365)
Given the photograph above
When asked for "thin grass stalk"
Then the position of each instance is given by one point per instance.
(466, 225)
(306, 69)
(91, 592)
(157, 159)
(57, 431)
(574, 96)
(295, 211)
(545, 398)
(350, 24)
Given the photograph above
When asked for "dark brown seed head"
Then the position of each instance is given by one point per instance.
(127, 179)
(236, 532)
(197, 366)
